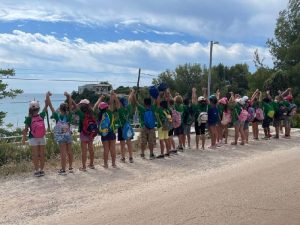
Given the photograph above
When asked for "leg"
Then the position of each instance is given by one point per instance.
(63, 155)
(112, 149)
(83, 154)
(70, 155)
(91, 153)
(105, 153)
(122, 144)
(35, 156)
(162, 147)
(42, 157)
(129, 147)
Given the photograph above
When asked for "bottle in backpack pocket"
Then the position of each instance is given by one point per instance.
(37, 127)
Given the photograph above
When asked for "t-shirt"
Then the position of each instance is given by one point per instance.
(160, 115)
(213, 115)
(187, 115)
(57, 116)
(124, 114)
(28, 120)
(235, 111)
(142, 110)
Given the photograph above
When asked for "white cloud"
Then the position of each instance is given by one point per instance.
(231, 19)
(117, 62)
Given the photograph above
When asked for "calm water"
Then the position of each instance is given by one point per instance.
(17, 108)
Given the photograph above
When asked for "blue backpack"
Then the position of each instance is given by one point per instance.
(153, 91)
(105, 124)
(127, 131)
(149, 119)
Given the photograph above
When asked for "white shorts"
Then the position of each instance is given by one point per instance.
(37, 141)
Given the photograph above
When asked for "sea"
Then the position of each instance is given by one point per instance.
(17, 108)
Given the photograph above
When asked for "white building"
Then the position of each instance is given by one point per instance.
(101, 88)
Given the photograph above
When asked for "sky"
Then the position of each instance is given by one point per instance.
(99, 40)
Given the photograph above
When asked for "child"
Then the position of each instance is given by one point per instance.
(255, 104)
(179, 132)
(62, 133)
(37, 131)
(225, 117)
(147, 121)
(199, 106)
(246, 124)
(124, 111)
(88, 131)
(175, 116)
(187, 122)
(213, 119)
(106, 121)
(164, 121)
(236, 109)
(268, 115)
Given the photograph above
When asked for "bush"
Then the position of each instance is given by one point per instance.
(296, 121)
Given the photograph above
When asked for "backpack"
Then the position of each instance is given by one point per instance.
(251, 114)
(149, 119)
(62, 130)
(176, 119)
(259, 114)
(226, 118)
(90, 127)
(105, 125)
(127, 131)
(243, 115)
(167, 123)
(292, 110)
(153, 91)
(37, 127)
(203, 117)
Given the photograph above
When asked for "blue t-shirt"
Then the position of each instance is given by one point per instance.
(213, 115)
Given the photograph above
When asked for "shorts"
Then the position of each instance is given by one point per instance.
(238, 123)
(163, 134)
(276, 122)
(120, 134)
(85, 138)
(200, 130)
(256, 120)
(266, 122)
(171, 132)
(148, 136)
(179, 130)
(37, 141)
(67, 139)
(109, 137)
(246, 125)
(186, 129)
(287, 121)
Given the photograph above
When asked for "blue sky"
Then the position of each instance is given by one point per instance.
(109, 40)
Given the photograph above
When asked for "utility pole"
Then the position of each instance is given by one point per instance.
(210, 62)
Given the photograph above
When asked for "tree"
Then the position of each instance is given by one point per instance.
(11, 93)
(277, 82)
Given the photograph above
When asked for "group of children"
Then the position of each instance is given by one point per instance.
(110, 117)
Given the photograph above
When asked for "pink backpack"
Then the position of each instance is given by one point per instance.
(243, 115)
(259, 114)
(37, 127)
(226, 118)
(176, 118)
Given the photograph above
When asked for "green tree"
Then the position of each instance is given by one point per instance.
(277, 82)
(4, 92)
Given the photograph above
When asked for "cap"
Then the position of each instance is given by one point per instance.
(84, 101)
(201, 98)
(34, 105)
(103, 105)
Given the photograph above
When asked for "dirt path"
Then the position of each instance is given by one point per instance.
(255, 184)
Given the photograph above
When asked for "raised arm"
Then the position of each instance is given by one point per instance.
(100, 99)
(254, 95)
(194, 96)
(49, 103)
(286, 92)
(232, 98)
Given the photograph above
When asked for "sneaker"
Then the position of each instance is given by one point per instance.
(180, 149)
(130, 159)
(152, 156)
(42, 173)
(91, 167)
(37, 174)
(143, 156)
(71, 170)
(123, 159)
(160, 156)
(167, 154)
(174, 151)
(62, 172)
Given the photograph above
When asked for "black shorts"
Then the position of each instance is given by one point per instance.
(120, 134)
(200, 130)
(179, 130)
(171, 132)
(266, 122)
(109, 137)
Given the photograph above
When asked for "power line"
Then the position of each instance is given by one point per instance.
(150, 75)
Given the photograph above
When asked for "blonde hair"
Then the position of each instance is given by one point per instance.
(178, 99)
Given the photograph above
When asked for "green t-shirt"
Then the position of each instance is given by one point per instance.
(199, 108)
(57, 116)
(124, 114)
(161, 115)
(235, 111)
(28, 120)
(142, 110)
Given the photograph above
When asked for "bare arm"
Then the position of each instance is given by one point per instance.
(286, 92)
(194, 96)
(100, 99)
(24, 134)
(232, 98)
(49, 103)
(254, 94)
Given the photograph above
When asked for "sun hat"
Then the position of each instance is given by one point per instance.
(223, 101)
(103, 105)
(84, 101)
(34, 105)
(201, 98)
